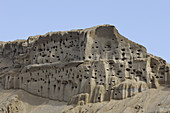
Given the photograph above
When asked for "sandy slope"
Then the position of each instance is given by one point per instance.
(152, 100)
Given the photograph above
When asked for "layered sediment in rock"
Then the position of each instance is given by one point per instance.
(81, 66)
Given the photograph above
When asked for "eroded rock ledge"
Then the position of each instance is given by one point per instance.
(81, 66)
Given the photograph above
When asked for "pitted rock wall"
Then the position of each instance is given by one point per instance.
(81, 66)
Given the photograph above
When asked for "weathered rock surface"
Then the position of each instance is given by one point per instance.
(81, 66)
(149, 101)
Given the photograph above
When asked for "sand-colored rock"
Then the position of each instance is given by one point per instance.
(81, 67)
(149, 101)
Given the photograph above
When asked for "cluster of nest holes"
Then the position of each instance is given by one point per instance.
(137, 52)
(159, 77)
(95, 45)
(46, 46)
(107, 48)
(70, 73)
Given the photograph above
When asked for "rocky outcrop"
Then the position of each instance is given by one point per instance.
(81, 66)
(13, 105)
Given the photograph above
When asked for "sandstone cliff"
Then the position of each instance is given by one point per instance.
(81, 66)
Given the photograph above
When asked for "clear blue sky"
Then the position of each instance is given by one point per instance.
(146, 22)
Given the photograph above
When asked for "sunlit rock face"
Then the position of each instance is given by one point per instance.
(81, 66)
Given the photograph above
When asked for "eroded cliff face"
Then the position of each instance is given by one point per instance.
(81, 66)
